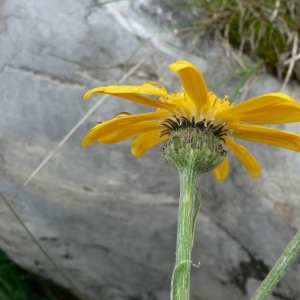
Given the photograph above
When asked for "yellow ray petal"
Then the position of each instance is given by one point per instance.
(222, 170)
(146, 141)
(265, 135)
(193, 82)
(127, 92)
(154, 85)
(145, 88)
(276, 114)
(245, 157)
(262, 102)
(124, 133)
(101, 129)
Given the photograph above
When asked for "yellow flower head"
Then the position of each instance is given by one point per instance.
(197, 107)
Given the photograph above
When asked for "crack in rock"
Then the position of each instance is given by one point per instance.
(254, 268)
(43, 75)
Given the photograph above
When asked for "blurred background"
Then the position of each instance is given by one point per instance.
(106, 218)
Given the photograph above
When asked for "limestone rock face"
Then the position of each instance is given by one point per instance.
(107, 218)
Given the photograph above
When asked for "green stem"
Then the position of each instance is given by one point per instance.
(279, 269)
(187, 215)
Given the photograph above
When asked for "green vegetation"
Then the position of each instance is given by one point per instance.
(18, 284)
(267, 30)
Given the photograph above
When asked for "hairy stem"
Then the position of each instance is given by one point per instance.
(187, 215)
(279, 269)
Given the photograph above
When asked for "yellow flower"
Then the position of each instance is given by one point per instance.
(196, 106)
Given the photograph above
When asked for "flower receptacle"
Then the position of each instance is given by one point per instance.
(192, 147)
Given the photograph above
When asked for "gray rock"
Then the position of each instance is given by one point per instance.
(107, 218)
